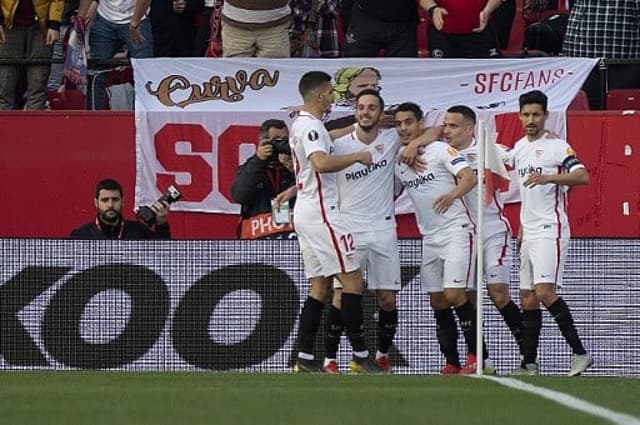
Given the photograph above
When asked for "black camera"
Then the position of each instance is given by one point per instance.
(280, 145)
(147, 215)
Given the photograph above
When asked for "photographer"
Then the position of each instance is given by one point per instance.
(109, 223)
(260, 179)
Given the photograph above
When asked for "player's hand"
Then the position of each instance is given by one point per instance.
(284, 196)
(365, 158)
(90, 14)
(536, 179)
(518, 242)
(286, 161)
(161, 209)
(2, 36)
(442, 203)
(552, 134)
(483, 20)
(438, 17)
(264, 150)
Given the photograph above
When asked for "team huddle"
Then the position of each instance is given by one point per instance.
(346, 183)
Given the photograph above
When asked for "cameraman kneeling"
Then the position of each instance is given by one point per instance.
(109, 223)
(260, 179)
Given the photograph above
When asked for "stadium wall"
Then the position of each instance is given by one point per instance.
(51, 161)
(233, 306)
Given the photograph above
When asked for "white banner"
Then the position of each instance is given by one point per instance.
(197, 119)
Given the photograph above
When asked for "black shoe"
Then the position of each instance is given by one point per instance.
(306, 366)
(362, 365)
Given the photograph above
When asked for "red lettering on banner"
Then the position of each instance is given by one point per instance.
(165, 141)
(229, 143)
(493, 82)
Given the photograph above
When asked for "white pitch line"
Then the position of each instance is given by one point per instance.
(567, 400)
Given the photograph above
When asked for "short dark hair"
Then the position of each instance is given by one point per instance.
(371, 92)
(534, 97)
(108, 184)
(465, 111)
(311, 81)
(410, 107)
(268, 124)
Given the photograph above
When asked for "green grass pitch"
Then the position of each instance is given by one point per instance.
(95, 398)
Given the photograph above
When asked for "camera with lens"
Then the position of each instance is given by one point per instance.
(147, 215)
(280, 145)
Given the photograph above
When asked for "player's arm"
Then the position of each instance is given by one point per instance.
(324, 163)
(343, 131)
(284, 196)
(577, 175)
(466, 180)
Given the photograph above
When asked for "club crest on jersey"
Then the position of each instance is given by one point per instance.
(313, 136)
(539, 153)
(452, 151)
(379, 148)
(471, 156)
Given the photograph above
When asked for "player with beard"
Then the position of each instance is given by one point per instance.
(546, 168)
(367, 207)
(109, 223)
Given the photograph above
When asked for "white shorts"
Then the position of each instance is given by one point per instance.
(542, 261)
(448, 261)
(327, 248)
(497, 259)
(377, 255)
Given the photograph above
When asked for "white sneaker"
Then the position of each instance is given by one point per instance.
(580, 363)
(529, 369)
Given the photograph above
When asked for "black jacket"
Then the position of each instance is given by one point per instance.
(254, 186)
(132, 230)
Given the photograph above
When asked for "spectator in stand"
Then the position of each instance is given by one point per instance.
(55, 74)
(381, 24)
(256, 28)
(28, 29)
(114, 24)
(259, 180)
(460, 29)
(109, 223)
(589, 35)
(173, 27)
(208, 28)
(315, 32)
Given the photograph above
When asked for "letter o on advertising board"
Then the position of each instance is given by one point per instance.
(149, 308)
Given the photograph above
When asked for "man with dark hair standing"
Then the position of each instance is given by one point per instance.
(448, 234)
(260, 179)
(459, 129)
(109, 223)
(326, 244)
(546, 168)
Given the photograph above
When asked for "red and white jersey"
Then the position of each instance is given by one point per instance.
(443, 162)
(317, 192)
(365, 193)
(543, 210)
(493, 219)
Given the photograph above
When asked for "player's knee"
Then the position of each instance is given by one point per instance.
(438, 301)
(528, 300)
(499, 294)
(387, 300)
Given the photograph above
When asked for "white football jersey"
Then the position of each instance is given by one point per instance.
(317, 192)
(493, 219)
(365, 193)
(543, 210)
(443, 162)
